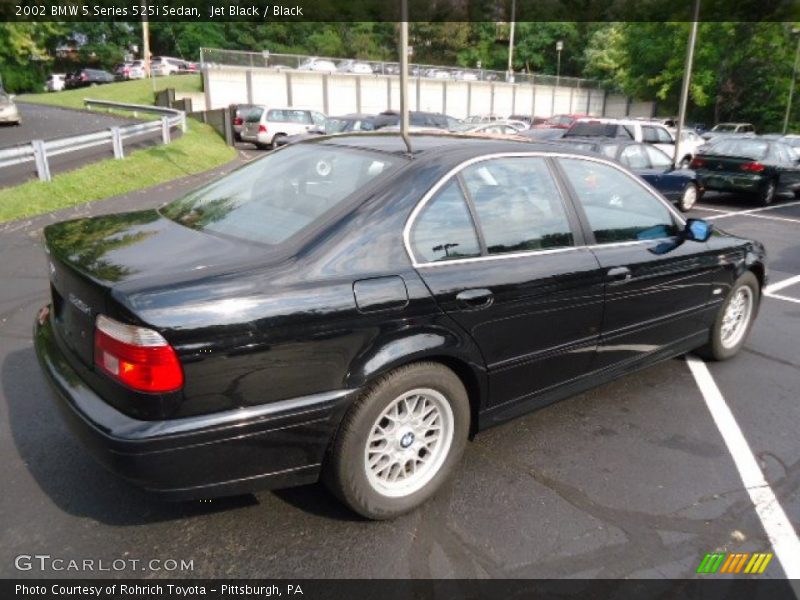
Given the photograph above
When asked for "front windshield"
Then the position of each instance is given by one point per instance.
(273, 198)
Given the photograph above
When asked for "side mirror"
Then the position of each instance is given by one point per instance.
(698, 230)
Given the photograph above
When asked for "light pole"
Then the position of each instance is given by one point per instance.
(687, 78)
(510, 74)
(404, 74)
(559, 48)
(795, 31)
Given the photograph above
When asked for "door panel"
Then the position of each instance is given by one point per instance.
(519, 285)
(656, 284)
(659, 303)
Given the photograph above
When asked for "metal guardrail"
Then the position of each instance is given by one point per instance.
(39, 151)
(272, 60)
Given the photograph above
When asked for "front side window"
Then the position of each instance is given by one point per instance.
(517, 204)
(444, 229)
(663, 136)
(618, 208)
(272, 199)
(649, 134)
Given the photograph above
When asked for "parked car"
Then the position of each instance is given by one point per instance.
(730, 129)
(560, 121)
(550, 133)
(239, 113)
(137, 70)
(496, 128)
(121, 71)
(465, 76)
(518, 125)
(529, 120)
(688, 146)
(437, 74)
(55, 82)
(333, 125)
(679, 186)
(354, 66)
(161, 66)
(628, 129)
(340, 309)
(761, 168)
(187, 68)
(420, 119)
(317, 64)
(9, 113)
(87, 78)
(266, 127)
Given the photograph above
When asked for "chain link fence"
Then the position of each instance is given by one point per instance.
(269, 60)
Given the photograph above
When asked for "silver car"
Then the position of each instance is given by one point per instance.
(9, 113)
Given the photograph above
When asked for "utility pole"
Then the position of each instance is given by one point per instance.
(146, 43)
(404, 120)
(687, 79)
(510, 74)
(795, 31)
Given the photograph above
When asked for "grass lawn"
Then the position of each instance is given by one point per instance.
(138, 91)
(199, 149)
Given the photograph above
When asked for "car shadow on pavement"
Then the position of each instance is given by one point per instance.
(66, 472)
(77, 484)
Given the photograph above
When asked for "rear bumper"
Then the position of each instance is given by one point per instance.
(731, 182)
(219, 454)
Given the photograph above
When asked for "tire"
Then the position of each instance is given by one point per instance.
(689, 198)
(260, 146)
(402, 394)
(767, 193)
(721, 346)
(685, 162)
(275, 139)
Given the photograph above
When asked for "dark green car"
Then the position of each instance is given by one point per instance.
(763, 168)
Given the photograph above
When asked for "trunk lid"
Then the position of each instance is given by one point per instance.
(91, 258)
(724, 164)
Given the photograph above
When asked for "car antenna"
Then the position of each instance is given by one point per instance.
(404, 75)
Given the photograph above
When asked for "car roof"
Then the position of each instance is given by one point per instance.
(435, 144)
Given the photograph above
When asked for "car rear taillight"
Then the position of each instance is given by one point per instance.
(752, 167)
(238, 121)
(697, 163)
(262, 129)
(84, 77)
(137, 357)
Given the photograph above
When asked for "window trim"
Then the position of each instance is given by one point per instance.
(567, 198)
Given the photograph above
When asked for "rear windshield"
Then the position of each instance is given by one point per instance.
(274, 198)
(593, 129)
(254, 115)
(746, 148)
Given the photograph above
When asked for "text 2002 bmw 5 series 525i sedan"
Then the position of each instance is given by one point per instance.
(343, 310)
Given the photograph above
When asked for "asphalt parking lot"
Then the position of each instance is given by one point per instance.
(632, 479)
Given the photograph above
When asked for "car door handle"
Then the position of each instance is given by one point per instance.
(475, 299)
(618, 275)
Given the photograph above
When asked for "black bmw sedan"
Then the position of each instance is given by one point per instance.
(345, 310)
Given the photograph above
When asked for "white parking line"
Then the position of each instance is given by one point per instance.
(753, 210)
(779, 285)
(784, 298)
(776, 524)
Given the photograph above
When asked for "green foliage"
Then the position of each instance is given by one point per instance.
(742, 71)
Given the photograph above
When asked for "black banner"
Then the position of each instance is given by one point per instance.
(389, 10)
(254, 589)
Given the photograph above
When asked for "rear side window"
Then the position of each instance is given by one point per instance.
(634, 157)
(444, 230)
(649, 134)
(254, 116)
(618, 208)
(289, 116)
(517, 205)
(274, 198)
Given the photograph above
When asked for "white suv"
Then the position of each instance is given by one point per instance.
(263, 126)
(647, 132)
